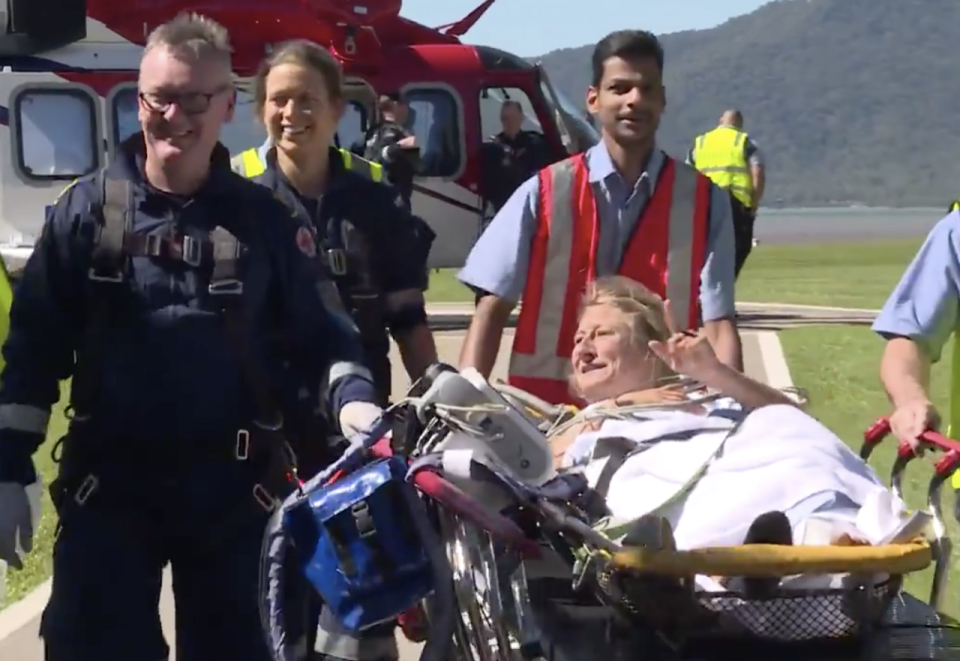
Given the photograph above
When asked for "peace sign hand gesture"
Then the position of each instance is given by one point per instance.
(686, 352)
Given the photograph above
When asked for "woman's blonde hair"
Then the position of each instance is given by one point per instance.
(646, 315)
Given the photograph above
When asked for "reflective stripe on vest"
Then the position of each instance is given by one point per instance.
(719, 154)
(563, 261)
(249, 164)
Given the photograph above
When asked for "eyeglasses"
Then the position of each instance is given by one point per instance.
(192, 103)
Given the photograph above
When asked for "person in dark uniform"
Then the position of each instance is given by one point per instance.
(171, 290)
(512, 156)
(391, 144)
(508, 159)
(365, 238)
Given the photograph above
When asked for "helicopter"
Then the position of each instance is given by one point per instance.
(68, 97)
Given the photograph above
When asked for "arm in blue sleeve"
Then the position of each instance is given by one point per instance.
(43, 335)
(499, 260)
(326, 340)
(719, 273)
(923, 307)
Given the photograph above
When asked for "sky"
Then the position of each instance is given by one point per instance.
(520, 26)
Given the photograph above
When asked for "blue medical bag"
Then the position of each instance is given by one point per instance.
(357, 543)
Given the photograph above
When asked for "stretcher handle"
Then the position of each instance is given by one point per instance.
(429, 482)
(941, 545)
(931, 439)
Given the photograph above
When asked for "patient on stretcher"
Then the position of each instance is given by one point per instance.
(744, 466)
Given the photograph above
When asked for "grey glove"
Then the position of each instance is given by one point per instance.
(16, 523)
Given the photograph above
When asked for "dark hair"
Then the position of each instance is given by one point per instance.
(305, 53)
(628, 45)
(512, 103)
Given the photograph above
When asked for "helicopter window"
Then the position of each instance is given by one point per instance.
(123, 112)
(56, 133)
(352, 126)
(436, 119)
(491, 101)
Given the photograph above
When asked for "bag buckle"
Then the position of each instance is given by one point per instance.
(337, 260)
(242, 450)
(361, 516)
(225, 288)
(263, 498)
(87, 487)
(192, 251)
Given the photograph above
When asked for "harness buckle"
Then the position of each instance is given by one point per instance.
(99, 277)
(226, 288)
(337, 260)
(263, 498)
(87, 487)
(242, 451)
(153, 245)
(192, 251)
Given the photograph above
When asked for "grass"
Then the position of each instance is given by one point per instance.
(37, 564)
(838, 366)
(860, 275)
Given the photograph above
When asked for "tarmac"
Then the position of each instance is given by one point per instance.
(764, 360)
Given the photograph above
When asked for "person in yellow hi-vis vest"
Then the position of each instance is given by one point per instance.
(733, 162)
(918, 319)
(6, 300)
(253, 162)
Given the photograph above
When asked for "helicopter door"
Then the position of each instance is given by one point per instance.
(359, 114)
(450, 206)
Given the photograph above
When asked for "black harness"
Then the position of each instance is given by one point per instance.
(114, 244)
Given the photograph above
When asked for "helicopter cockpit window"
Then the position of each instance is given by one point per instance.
(436, 121)
(583, 133)
(56, 133)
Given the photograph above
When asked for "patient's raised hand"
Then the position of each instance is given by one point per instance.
(685, 352)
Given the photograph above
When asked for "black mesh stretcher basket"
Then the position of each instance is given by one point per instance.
(649, 599)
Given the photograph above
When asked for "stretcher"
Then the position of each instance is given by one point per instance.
(480, 461)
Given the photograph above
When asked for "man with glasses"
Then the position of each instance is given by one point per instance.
(181, 287)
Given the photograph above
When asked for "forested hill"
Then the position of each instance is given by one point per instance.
(851, 101)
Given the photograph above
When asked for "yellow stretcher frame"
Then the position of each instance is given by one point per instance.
(775, 561)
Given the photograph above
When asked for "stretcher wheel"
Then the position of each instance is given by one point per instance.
(490, 594)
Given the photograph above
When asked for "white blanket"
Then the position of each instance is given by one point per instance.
(779, 459)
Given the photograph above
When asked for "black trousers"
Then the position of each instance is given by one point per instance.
(743, 222)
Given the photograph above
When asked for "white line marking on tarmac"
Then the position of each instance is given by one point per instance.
(20, 613)
(774, 361)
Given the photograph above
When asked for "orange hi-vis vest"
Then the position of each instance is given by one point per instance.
(665, 253)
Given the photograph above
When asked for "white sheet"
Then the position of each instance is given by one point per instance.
(779, 459)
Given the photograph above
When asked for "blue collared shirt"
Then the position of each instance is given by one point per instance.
(924, 304)
(499, 261)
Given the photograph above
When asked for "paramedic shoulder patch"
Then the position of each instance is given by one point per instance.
(306, 242)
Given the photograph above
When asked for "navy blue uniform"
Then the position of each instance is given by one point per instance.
(155, 453)
(376, 253)
(373, 248)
